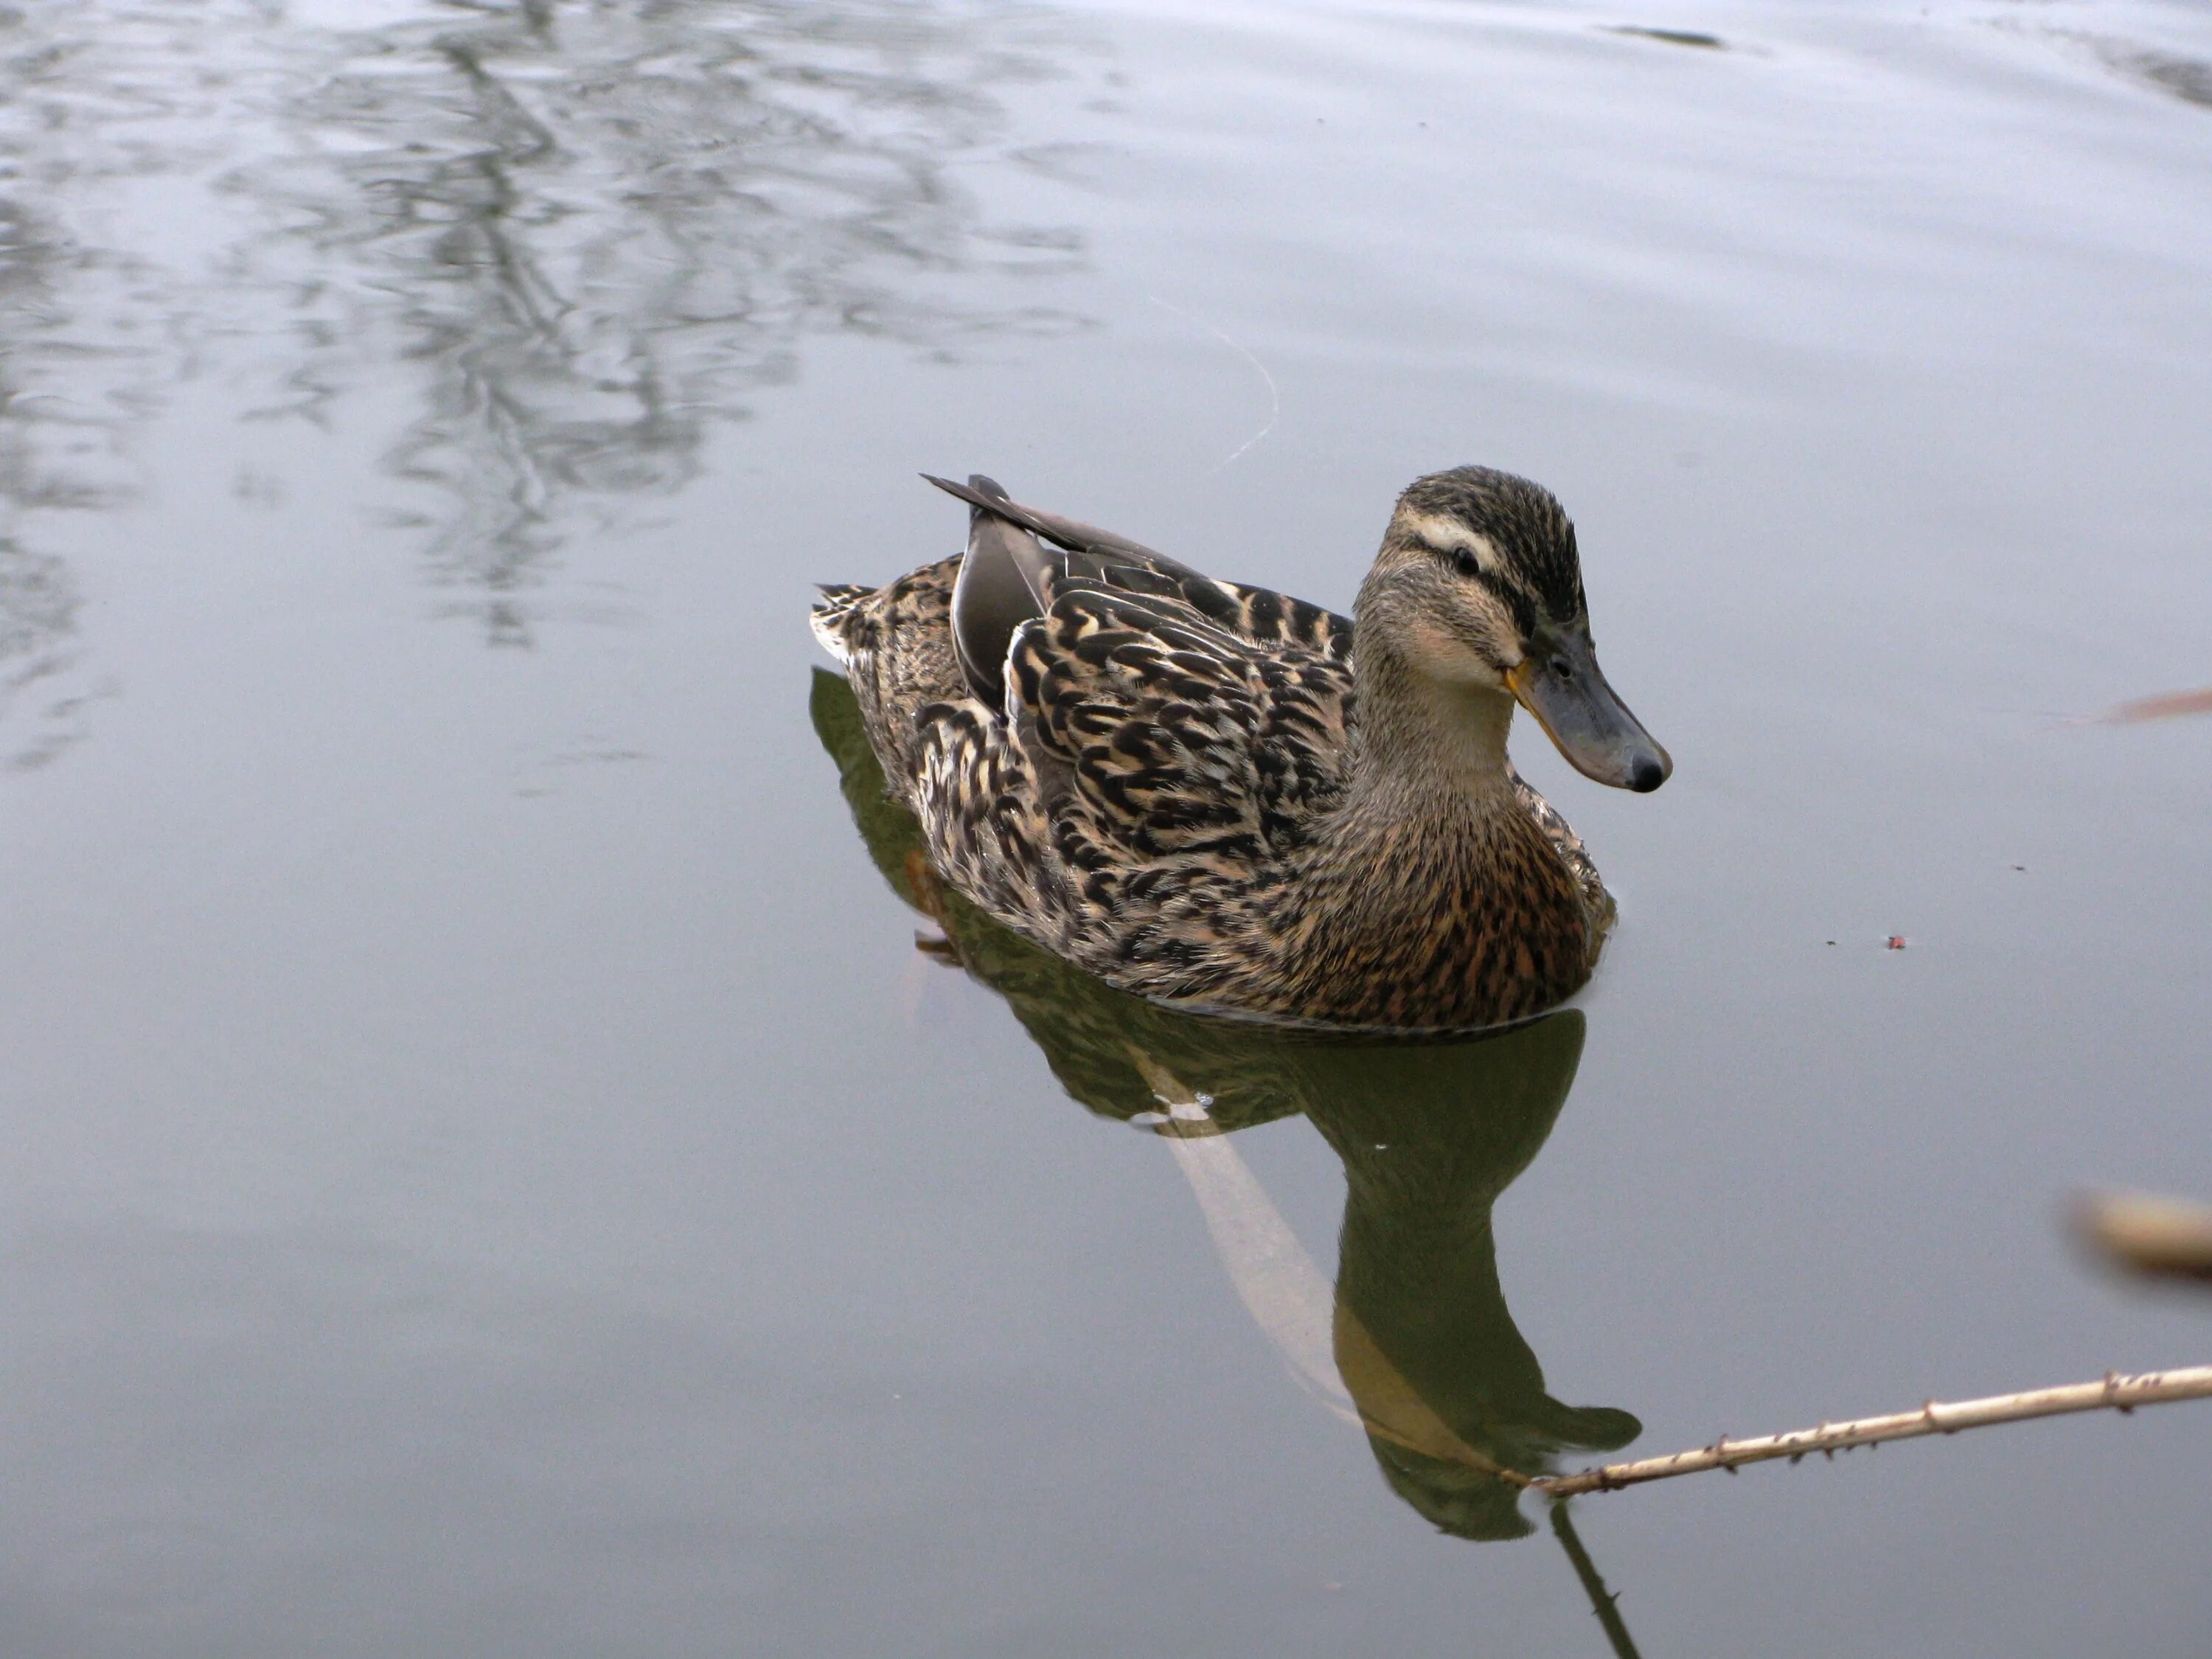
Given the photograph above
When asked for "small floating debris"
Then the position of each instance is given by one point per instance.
(1697, 38)
(1897, 941)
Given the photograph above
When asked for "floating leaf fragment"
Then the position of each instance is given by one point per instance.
(2158, 1237)
(2159, 709)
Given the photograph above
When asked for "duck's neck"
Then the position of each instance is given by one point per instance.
(1432, 897)
(1425, 745)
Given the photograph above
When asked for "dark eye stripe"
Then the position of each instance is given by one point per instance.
(1513, 598)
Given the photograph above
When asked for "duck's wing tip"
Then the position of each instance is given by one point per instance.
(987, 495)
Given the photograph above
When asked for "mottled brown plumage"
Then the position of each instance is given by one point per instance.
(1219, 797)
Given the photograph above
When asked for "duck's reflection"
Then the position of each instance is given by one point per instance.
(1417, 1329)
(1429, 1138)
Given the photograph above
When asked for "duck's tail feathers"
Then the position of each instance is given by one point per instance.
(832, 611)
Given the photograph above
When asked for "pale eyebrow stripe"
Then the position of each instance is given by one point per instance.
(1452, 536)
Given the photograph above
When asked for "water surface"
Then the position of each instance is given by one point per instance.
(491, 1170)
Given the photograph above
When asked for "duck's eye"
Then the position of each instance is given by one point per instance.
(1466, 563)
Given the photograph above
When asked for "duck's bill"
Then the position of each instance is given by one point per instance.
(1559, 684)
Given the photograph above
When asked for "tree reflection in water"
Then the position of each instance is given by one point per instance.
(38, 599)
(1435, 1369)
(593, 228)
(572, 234)
(72, 386)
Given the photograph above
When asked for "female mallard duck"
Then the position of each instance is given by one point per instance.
(1222, 798)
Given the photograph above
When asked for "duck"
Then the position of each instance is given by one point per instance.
(1228, 800)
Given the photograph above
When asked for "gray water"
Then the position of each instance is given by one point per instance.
(489, 1170)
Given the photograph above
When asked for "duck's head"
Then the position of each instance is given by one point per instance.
(1478, 588)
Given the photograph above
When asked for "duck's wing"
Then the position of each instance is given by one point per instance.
(1149, 770)
(1598, 905)
(1007, 579)
(1176, 736)
(1004, 579)
(1160, 743)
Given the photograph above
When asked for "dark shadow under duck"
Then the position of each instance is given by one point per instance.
(1429, 1132)
(1219, 797)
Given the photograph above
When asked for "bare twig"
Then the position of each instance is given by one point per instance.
(1274, 396)
(1605, 1603)
(2159, 1237)
(2117, 1392)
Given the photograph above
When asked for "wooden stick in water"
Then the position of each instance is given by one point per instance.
(2116, 1392)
